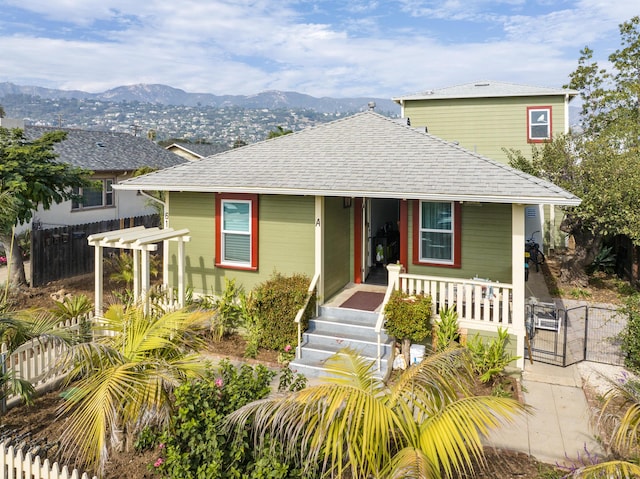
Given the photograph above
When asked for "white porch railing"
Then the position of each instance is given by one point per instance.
(481, 304)
(310, 292)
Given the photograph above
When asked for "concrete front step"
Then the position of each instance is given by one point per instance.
(336, 329)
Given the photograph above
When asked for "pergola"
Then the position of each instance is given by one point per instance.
(140, 241)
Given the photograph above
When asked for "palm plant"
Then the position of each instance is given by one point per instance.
(427, 424)
(122, 380)
(16, 329)
(624, 398)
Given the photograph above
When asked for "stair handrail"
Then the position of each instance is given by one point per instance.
(310, 292)
(393, 283)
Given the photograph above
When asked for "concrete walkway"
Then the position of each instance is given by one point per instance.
(559, 428)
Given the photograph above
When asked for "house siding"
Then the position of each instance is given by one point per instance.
(484, 125)
(286, 240)
(486, 244)
(337, 246)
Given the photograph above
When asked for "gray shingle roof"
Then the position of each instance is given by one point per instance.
(362, 155)
(200, 150)
(107, 151)
(486, 89)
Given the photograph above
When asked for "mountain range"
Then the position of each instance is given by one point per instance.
(167, 95)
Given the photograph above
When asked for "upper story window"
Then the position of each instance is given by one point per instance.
(98, 196)
(237, 231)
(538, 123)
(437, 236)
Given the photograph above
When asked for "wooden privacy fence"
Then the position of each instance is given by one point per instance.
(15, 464)
(63, 252)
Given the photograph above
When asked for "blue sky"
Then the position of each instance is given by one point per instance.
(321, 48)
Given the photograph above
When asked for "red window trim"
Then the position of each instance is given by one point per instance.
(457, 238)
(254, 230)
(539, 140)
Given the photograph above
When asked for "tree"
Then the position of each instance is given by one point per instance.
(122, 380)
(599, 165)
(30, 173)
(2, 113)
(425, 425)
(279, 131)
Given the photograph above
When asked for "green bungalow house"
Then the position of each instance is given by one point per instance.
(358, 200)
(487, 117)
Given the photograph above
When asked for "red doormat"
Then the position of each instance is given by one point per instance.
(364, 300)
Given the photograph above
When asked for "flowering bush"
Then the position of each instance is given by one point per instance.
(196, 446)
(3, 260)
(286, 356)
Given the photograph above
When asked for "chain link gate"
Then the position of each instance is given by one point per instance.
(563, 337)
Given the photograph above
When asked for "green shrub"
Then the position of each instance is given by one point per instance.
(228, 310)
(490, 357)
(630, 336)
(197, 446)
(408, 319)
(446, 329)
(275, 304)
(408, 316)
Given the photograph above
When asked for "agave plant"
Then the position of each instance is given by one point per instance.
(425, 425)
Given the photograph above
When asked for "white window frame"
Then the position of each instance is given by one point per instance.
(224, 232)
(107, 196)
(532, 113)
(451, 231)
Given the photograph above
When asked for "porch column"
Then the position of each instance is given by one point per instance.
(144, 292)
(517, 280)
(99, 268)
(136, 274)
(319, 246)
(181, 288)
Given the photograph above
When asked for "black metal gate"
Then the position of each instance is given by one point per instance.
(567, 336)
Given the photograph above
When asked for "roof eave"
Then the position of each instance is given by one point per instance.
(541, 200)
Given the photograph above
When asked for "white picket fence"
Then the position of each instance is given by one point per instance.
(14, 464)
(32, 362)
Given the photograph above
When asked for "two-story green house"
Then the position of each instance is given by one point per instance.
(487, 117)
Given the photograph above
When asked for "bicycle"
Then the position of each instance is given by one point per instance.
(532, 252)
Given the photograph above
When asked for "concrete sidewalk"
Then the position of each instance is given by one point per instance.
(558, 430)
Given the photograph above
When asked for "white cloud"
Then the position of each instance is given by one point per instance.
(251, 45)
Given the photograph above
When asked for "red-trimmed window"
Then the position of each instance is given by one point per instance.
(538, 124)
(237, 231)
(437, 234)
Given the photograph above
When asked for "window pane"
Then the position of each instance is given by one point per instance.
(436, 216)
(235, 216)
(539, 131)
(436, 246)
(92, 197)
(108, 200)
(237, 247)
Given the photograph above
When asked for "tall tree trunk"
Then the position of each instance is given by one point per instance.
(15, 264)
(574, 267)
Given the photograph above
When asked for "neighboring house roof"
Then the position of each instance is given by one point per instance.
(485, 89)
(106, 150)
(198, 150)
(367, 155)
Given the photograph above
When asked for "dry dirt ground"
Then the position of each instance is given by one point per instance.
(40, 421)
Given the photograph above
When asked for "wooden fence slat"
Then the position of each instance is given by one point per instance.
(63, 252)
